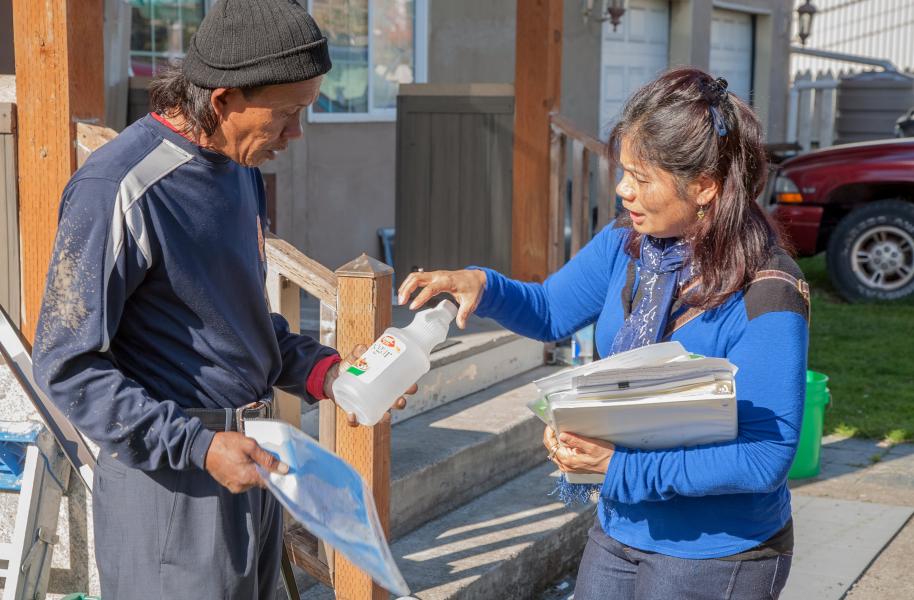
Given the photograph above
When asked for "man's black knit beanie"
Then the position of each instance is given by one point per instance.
(248, 43)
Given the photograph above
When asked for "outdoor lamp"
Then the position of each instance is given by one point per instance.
(612, 13)
(805, 13)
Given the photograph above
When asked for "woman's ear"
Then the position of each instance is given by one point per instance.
(704, 190)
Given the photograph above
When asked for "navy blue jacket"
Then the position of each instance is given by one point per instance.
(156, 299)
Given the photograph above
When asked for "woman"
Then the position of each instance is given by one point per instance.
(695, 260)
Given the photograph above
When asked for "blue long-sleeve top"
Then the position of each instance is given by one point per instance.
(704, 501)
(156, 299)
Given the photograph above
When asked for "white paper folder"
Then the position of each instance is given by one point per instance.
(652, 398)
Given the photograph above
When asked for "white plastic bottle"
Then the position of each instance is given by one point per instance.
(392, 364)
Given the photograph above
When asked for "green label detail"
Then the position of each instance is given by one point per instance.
(355, 371)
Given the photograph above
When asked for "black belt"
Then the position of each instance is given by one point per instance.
(231, 419)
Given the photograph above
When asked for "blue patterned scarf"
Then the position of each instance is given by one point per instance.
(663, 265)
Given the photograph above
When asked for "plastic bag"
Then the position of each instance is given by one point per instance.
(329, 498)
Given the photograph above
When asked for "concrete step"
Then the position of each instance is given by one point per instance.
(507, 544)
(465, 364)
(449, 455)
(475, 362)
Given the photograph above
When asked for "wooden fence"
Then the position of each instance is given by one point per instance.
(811, 113)
(591, 189)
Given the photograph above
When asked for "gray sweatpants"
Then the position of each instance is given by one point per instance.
(178, 534)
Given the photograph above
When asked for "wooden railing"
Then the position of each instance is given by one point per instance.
(354, 309)
(590, 165)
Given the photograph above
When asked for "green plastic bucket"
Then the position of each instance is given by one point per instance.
(806, 462)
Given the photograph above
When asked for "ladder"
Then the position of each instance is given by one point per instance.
(33, 465)
(35, 461)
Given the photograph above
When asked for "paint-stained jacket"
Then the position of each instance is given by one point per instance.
(155, 299)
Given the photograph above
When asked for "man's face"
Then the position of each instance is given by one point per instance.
(255, 126)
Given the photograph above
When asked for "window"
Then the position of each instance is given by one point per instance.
(160, 31)
(375, 45)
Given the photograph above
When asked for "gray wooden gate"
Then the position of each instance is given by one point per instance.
(9, 213)
(454, 164)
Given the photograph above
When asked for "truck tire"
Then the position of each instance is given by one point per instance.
(870, 255)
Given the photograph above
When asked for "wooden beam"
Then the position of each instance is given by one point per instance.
(537, 89)
(285, 300)
(557, 189)
(303, 271)
(364, 312)
(59, 81)
(580, 196)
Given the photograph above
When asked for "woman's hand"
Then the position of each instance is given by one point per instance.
(334, 372)
(578, 454)
(465, 286)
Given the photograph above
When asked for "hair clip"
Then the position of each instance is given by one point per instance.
(714, 93)
(717, 120)
(722, 84)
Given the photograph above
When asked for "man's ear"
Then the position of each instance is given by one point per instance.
(704, 190)
(220, 99)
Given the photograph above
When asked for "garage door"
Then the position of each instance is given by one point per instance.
(632, 56)
(732, 39)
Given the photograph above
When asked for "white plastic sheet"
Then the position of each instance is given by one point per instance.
(329, 498)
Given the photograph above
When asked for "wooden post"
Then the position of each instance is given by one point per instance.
(364, 311)
(285, 300)
(327, 415)
(580, 196)
(537, 89)
(804, 116)
(59, 81)
(557, 187)
(606, 198)
(825, 108)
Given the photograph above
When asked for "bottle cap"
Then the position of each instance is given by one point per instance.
(449, 307)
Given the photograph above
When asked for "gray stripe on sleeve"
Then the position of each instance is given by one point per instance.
(127, 217)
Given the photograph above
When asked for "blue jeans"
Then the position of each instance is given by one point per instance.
(613, 571)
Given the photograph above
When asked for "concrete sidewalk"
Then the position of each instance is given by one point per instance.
(853, 526)
(869, 472)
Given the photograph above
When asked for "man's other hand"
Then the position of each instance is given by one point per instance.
(232, 458)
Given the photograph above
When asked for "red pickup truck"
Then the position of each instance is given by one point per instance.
(855, 202)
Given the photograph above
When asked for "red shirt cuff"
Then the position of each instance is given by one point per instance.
(315, 383)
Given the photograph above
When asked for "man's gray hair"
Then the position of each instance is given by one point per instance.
(172, 95)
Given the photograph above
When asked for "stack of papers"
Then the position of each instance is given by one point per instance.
(657, 396)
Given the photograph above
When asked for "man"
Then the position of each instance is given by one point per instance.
(155, 329)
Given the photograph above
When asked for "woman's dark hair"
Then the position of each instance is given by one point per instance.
(672, 125)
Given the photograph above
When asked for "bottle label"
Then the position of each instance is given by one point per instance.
(380, 356)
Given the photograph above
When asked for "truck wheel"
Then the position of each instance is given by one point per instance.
(870, 254)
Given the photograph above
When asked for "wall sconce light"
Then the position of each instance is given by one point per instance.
(610, 10)
(805, 13)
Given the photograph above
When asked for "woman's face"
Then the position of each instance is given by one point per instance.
(652, 199)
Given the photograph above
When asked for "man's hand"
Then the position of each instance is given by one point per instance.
(578, 454)
(334, 372)
(231, 461)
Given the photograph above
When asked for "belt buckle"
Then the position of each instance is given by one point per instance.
(258, 405)
(239, 419)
